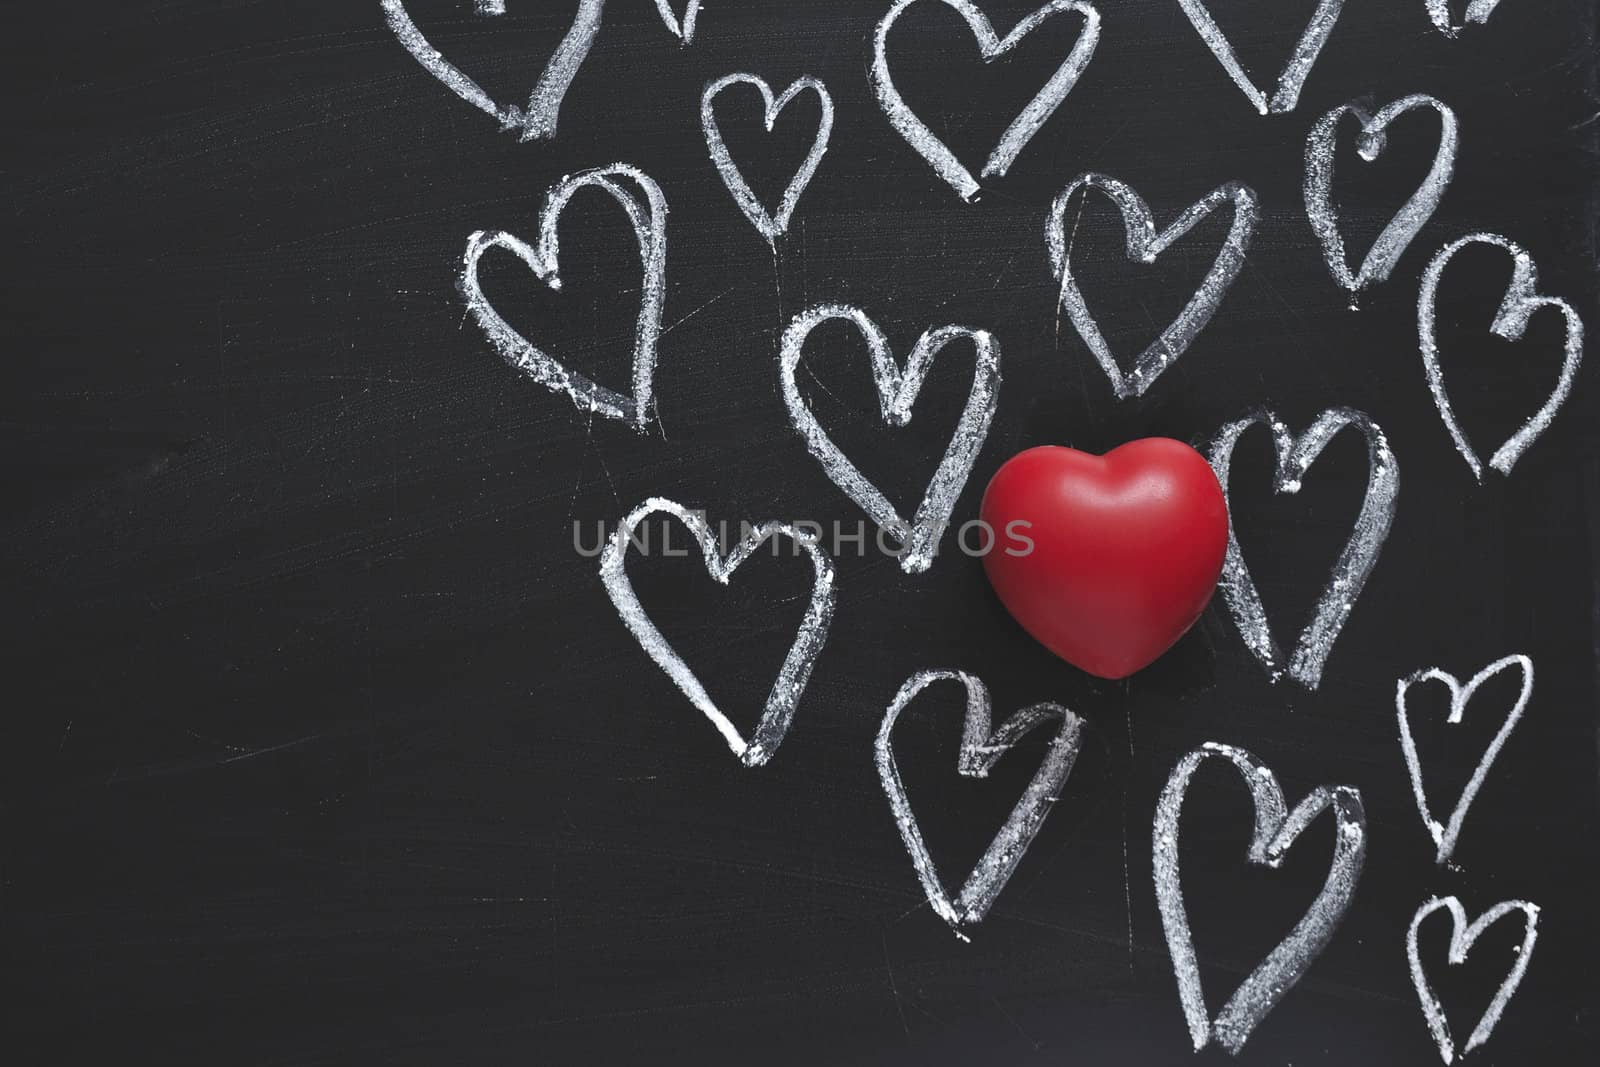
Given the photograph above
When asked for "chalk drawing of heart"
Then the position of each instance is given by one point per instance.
(1295, 456)
(649, 221)
(898, 389)
(1293, 77)
(538, 121)
(1462, 938)
(981, 749)
(1398, 234)
(1145, 243)
(778, 714)
(1445, 835)
(1276, 830)
(768, 225)
(1510, 323)
(1477, 13)
(682, 29)
(991, 47)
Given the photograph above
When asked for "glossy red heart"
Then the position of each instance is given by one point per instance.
(1126, 548)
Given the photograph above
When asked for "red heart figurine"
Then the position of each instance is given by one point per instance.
(1125, 548)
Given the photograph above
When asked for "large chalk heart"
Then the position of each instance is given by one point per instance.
(1521, 302)
(1106, 560)
(778, 714)
(1277, 828)
(649, 219)
(991, 46)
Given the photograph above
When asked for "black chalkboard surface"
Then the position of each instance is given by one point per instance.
(324, 742)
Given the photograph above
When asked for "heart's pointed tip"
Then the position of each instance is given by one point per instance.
(1114, 674)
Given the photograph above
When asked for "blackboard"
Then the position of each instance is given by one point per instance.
(324, 743)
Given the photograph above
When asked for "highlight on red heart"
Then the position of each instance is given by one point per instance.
(1127, 549)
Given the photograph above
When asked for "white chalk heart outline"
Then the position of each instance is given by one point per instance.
(649, 226)
(1477, 13)
(1397, 236)
(1522, 299)
(1295, 455)
(1276, 830)
(1293, 76)
(538, 121)
(990, 46)
(1145, 243)
(1462, 937)
(898, 389)
(778, 713)
(768, 225)
(981, 748)
(1445, 835)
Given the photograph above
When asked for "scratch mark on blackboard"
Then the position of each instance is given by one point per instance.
(894, 990)
(820, 384)
(696, 311)
(253, 753)
(572, 501)
(590, 446)
(777, 286)
(1127, 883)
(1310, 335)
(598, 455)
(1591, 513)
(1037, 1045)
(904, 915)
(1003, 270)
